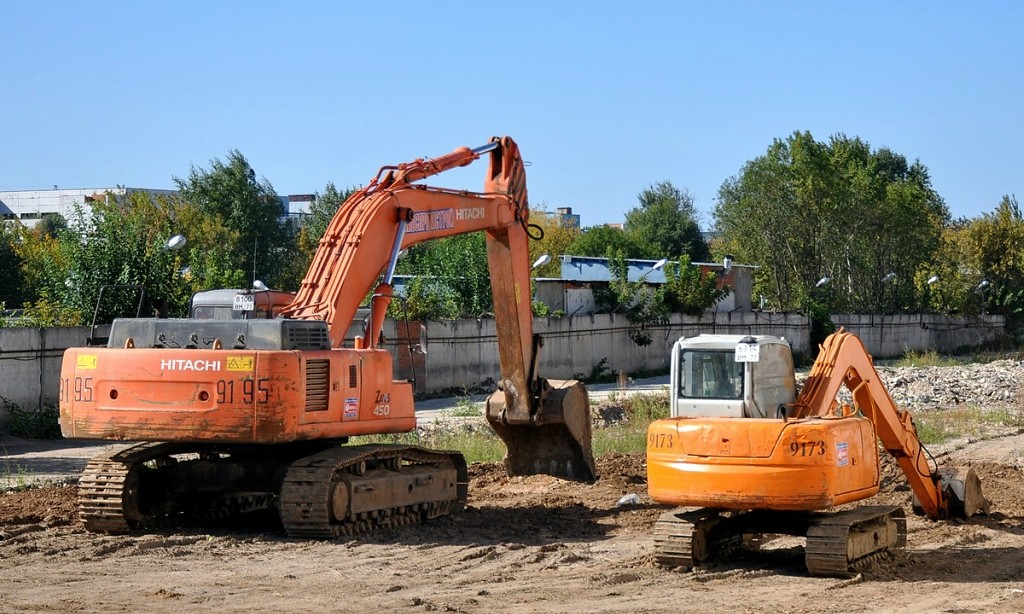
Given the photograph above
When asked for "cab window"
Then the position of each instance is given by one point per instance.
(710, 374)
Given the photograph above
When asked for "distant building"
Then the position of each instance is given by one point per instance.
(566, 218)
(572, 291)
(30, 206)
(296, 205)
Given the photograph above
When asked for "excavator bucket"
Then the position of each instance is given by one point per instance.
(962, 489)
(556, 441)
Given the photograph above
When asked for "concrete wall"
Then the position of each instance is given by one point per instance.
(30, 364)
(895, 335)
(464, 353)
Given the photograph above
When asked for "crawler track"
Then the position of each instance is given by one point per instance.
(838, 544)
(335, 491)
(348, 491)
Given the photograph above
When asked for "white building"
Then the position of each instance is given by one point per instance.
(30, 206)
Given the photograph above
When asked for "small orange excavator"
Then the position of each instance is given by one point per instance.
(242, 415)
(747, 457)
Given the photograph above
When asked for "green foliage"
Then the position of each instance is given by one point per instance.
(122, 240)
(12, 290)
(939, 426)
(808, 209)
(664, 224)
(642, 305)
(556, 240)
(39, 424)
(930, 358)
(599, 374)
(597, 241)
(630, 435)
(998, 243)
(688, 291)
(478, 443)
(451, 279)
(249, 209)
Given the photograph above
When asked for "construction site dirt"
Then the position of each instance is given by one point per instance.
(529, 544)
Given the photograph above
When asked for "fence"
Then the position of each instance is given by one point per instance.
(463, 353)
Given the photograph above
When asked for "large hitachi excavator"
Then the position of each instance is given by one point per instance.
(244, 415)
(746, 457)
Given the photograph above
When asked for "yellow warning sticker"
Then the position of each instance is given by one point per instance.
(241, 363)
(86, 361)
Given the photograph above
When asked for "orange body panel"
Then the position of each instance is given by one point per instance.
(230, 396)
(744, 463)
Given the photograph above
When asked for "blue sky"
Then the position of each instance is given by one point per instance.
(604, 98)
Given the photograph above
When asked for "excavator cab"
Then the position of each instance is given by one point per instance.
(731, 376)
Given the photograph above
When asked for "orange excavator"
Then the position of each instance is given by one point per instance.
(244, 415)
(745, 457)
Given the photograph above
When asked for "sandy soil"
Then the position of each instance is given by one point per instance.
(535, 544)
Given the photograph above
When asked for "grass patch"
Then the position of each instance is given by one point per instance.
(478, 443)
(930, 358)
(939, 426)
(464, 408)
(630, 435)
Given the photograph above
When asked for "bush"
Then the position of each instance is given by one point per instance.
(42, 423)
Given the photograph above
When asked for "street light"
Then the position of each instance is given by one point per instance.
(888, 277)
(657, 265)
(822, 282)
(981, 285)
(541, 261)
(932, 279)
(175, 243)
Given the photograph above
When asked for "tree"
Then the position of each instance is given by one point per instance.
(557, 239)
(688, 290)
(664, 224)
(122, 241)
(247, 207)
(449, 280)
(998, 242)
(807, 210)
(596, 241)
(11, 276)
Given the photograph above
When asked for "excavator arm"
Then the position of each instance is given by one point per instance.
(544, 423)
(844, 361)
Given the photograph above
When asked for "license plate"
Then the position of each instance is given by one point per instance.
(243, 302)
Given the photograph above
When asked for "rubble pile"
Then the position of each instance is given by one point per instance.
(993, 385)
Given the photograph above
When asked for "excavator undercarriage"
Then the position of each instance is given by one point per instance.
(335, 491)
(838, 544)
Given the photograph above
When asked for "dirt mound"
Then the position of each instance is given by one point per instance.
(51, 506)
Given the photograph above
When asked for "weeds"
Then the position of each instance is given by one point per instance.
(630, 432)
(464, 408)
(42, 423)
(940, 426)
(14, 477)
(477, 443)
(930, 358)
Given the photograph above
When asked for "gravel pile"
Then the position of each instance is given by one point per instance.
(990, 385)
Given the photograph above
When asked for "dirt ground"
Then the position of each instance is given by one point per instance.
(537, 544)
